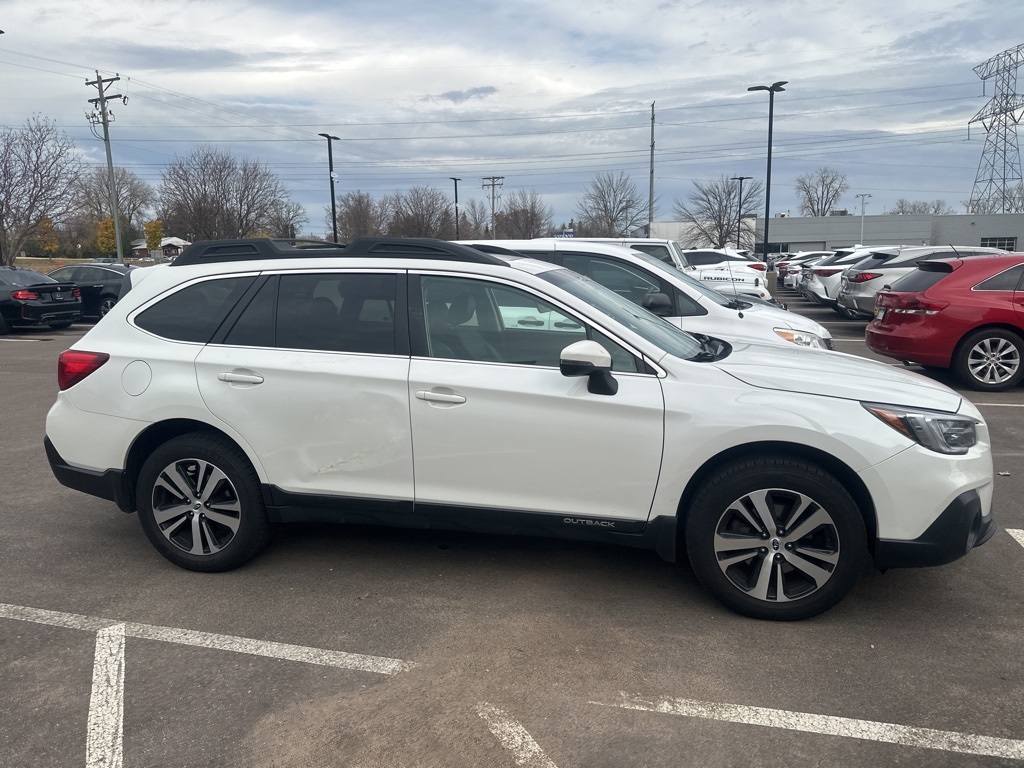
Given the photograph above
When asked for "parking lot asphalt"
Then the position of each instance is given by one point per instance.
(357, 646)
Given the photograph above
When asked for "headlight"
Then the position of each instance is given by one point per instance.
(935, 430)
(802, 338)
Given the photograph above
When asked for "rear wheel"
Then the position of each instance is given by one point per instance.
(990, 360)
(106, 304)
(776, 538)
(200, 503)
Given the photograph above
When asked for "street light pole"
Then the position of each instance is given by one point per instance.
(772, 89)
(330, 170)
(862, 196)
(456, 205)
(739, 214)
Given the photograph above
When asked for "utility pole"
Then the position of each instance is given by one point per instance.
(330, 175)
(456, 205)
(650, 195)
(104, 118)
(863, 196)
(493, 182)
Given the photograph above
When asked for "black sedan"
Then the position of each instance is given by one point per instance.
(29, 298)
(100, 284)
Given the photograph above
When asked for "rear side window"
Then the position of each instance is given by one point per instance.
(922, 278)
(195, 312)
(660, 252)
(1008, 280)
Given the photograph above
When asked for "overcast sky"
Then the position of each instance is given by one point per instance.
(545, 94)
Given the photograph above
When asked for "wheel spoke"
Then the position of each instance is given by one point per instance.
(226, 520)
(208, 479)
(172, 480)
(760, 501)
(197, 538)
(169, 531)
(827, 556)
(816, 520)
(818, 575)
(764, 578)
(210, 540)
(798, 512)
(163, 514)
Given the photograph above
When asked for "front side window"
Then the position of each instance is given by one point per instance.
(477, 320)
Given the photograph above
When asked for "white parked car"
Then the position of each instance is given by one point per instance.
(825, 276)
(254, 382)
(690, 304)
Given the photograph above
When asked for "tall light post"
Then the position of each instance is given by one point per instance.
(456, 205)
(739, 214)
(772, 90)
(863, 196)
(330, 170)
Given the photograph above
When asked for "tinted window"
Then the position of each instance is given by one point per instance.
(626, 280)
(660, 252)
(1007, 280)
(703, 258)
(255, 326)
(196, 311)
(23, 277)
(921, 279)
(337, 313)
(64, 274)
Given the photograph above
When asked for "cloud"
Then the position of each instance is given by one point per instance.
(460, 97)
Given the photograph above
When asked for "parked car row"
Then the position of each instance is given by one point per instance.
(64, 296)
(945, 307)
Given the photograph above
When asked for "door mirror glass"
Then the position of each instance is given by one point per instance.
(658, 303)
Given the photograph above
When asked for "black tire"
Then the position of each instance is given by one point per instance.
(60, 326)
(804, 566)
(209, 513)
(990, 360)
(106, 304)
(5, 327)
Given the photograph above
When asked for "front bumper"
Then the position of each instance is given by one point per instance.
(962, 526)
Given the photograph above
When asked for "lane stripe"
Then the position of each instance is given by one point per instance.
(379, 664)
(514, 737)
(1017, 534)
(104, 745)
(947, 741)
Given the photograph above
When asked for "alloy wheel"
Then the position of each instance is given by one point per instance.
(993, 360)
(196, 507)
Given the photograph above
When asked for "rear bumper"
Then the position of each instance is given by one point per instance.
(961, 527)
(914, 342)
(109, 484)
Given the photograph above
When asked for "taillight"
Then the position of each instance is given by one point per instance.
(863, 277)
(74, 365)
(919, 305)
(76, 293)
(826, 272)
(756, 265)
(24, 295)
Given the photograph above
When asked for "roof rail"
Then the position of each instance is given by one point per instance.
(262, 248)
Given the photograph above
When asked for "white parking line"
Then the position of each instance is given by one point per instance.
(104, 745)
(998, 405)
(105, 740)
(889, 733)
(1017, 534)
(514, 737)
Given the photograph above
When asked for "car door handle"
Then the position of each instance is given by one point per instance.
(438, 397)
(524, 321)
(240, 378)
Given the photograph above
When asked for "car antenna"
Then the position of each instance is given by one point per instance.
(955, 251)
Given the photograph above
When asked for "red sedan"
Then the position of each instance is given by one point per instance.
(964, 314)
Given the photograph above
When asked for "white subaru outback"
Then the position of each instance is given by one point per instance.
(394, 382)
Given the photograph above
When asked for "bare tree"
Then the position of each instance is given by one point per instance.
(1012, 202)
(819, 192)
(524, 215)
(912, 207)
(611, 206)
(38, 171)
(285, 220)
(359, 214)
(209, 194)
(713, 212)
(422, 212)
(134, 196)
(477, 217)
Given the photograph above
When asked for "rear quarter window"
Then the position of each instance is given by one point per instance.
(196, 311)
(1007, 280)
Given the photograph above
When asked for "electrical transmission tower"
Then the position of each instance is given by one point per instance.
(999, 180)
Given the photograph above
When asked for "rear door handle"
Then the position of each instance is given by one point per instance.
(439, 397)
(240, 378)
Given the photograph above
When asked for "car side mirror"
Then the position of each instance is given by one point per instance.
(658, 304)
(590, 359)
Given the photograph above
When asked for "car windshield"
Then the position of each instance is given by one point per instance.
(23, 277)
(673, 274)
(649, 327)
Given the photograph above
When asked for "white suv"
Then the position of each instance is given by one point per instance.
(390, 382)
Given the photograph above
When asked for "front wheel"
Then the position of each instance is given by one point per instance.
(989, 360)
(775, 538)
(200, 504)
